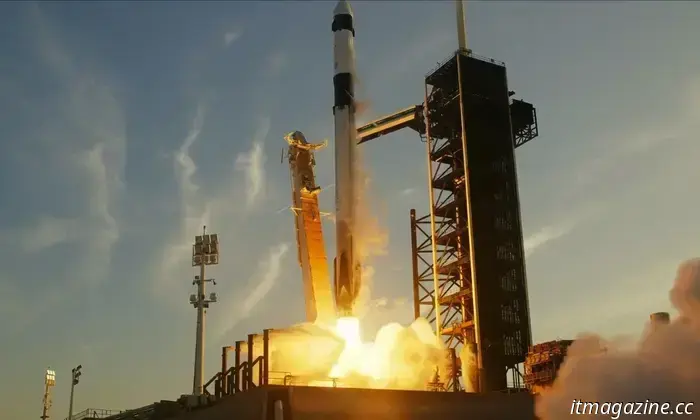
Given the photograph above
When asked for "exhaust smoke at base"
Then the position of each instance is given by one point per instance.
(664, 366)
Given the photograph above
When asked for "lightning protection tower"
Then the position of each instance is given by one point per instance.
(205, 251)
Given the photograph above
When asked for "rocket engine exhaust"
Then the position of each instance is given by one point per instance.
(347, 264)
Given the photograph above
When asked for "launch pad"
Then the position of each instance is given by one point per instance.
(276, 402)
(474, 241)
(250, 390)
(310, 403)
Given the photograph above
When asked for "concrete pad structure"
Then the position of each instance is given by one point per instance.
(316, 403)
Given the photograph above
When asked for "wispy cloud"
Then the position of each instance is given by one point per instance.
(550, 233)
(195, 212)
(87, 128)
(218, 208)
(252, 164)
(106, 182)
(633, 145)
(397, 63)
(407, 192)
(231, 37)
(276, 63)
(259, 285)
(221, 207)
(194, 215)
(626, 145)
(623, 158)
(185, 167)
(269, 272)
(98, 154)
(48, 231)
(546, 235)
(98, 228)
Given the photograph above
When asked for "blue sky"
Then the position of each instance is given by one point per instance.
(127, 125)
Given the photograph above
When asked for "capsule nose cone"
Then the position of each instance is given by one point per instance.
(342, 8)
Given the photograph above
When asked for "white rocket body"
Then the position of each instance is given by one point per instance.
(347, 264)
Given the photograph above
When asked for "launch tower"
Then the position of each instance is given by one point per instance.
(468, 258)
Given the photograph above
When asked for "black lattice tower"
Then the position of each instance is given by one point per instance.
(472, 128)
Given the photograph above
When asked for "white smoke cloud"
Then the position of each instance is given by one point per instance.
(401, 357)
(306, 350)
(371, 236)
(375, 312)
(388, 304)
(685, 295)
(663, 366)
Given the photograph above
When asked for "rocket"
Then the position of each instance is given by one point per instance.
(347, 264)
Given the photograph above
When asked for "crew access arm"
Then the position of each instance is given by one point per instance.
(319, 300)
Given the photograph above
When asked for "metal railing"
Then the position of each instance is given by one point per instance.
(280, 378)
(94, 413)
(143, 412)
(467, 53)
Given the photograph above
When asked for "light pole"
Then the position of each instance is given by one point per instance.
(205, 251)
(75, 380)
(49, 382)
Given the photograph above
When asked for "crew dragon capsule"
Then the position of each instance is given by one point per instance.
(347, 264)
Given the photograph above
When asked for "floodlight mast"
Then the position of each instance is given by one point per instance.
(75, 380)
(49, 382)
(205, 251)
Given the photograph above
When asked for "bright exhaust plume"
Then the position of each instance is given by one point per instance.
(399, 358)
